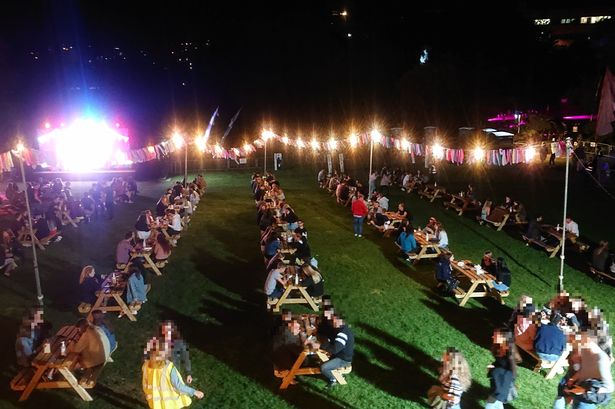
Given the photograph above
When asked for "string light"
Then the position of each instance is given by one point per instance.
(354, 140)
(19, 148)
(285, 140)
(478, 153)
(151, 149)
(218, 149)
(438, 151)
(332, 144)
(178, 139)
(314, 144)
(200, 143)
(405, 144)
(530, 153)
(300, 143)
(267, 134)
(376, 135)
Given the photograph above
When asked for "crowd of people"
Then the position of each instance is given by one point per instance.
(281, 228)
(166, 353)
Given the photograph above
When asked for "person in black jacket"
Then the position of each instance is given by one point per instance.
(503, 371)
(340, 349)
(533, 229)
(444, 272)
(502, 275)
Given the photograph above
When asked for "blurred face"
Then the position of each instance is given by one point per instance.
(294, 327)
(92, 273)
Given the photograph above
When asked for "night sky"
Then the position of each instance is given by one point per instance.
(299, 66)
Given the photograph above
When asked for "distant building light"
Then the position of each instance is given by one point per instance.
(424, 57)
(349, 35)
(542, 21)
(344, 13)
(568, 20)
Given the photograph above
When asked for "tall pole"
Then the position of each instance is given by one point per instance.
(265, 160)
(185, 163)
(371, 155)
(560, 285)
(39, 291)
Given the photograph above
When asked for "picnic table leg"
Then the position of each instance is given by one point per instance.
(469, 293)
(74, 383)
(554, 251)
(152, 264)
(124, 307)
(70, 219)
(336, 373)
(33, 382)
(278, 305)
(308, 298)
(420, 255)
(558, 365)
(97, 304)
(291, 374)
(36, 242)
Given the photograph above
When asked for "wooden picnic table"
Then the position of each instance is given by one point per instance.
(113, 291)
(294, 292)
(146, 254)
(499, 217)
(461, 204)
(297, 368)
(432, 192)
(481, 283)
(429, 248)
(394, 216)
(32, 378)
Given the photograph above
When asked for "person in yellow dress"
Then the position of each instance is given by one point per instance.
(163, 385)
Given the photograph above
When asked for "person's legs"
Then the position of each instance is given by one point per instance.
(559, 403)
(548, 357)
(355, 225)
(328, 367)
(360, 225)
(493, 403)
(578, 404)
(500, 286)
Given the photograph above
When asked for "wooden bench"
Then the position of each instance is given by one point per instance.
(601, 275)
(462, 204)
(552, 250)
(498, 217)
(432, 192)
(553, 367)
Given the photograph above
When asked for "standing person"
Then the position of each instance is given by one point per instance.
(553, 150)
(503, 371)
(359, 211)
(322, 177)
(163, 386)
(109, 201)
(340, 349)
(385, 182)
(444, 273)
(372, 182)
(179, 348)
(455, 378)
(600, 256)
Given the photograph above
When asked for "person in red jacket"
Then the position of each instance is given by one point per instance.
(359, 211)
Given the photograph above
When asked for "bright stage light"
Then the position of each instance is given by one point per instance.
(438, 151)
(47, 125)
(332, 144)
(530, 153)
(300, 143)
(151, 149)
(178, 139)
(376, 135)
(354, 140)
(478, 153)
(267, 134)
(247, 147)
(200, 143)
(86, 144)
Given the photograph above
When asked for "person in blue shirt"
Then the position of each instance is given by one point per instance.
(98, 319)
(136, 292)
(406, 240)
(272, 245)
(550, 341)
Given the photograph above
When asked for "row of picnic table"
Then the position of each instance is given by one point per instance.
(295, 293)
(54, 355)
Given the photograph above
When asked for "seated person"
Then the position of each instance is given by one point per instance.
(123, 250)
(103, 329)
(533, 229)
(431, 227)
(444, 272)
(272, 245)
(313, 281)
(508, 204)
(289, 216)
(136, 292)
(503, 276)
(90, 346)
(89, 285)
(525, 328)
(340, 349)
(175, 222)
(142, 225)
(600, 256)
(303, 251)
(402, 212)
(43, 233)
(162, 205)
(7, 256)
(161, 249)
(406, 240)
(442, 237)
(487, 263)
(24, 344)
(275, 283)
(383, 201)
(301, 228)
(520, 212)
(286, 346)
(550, 340)
(572, 226)
(485, 211)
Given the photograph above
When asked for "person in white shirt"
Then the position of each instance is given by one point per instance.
(572, 226)
(405, 181)
(443, 238)
(383, 201)
(175, 222)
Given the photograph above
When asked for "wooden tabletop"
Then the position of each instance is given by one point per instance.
(468, 270)
(421, 239)
(54, 358)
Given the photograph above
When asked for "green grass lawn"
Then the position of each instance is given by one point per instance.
(212, 288)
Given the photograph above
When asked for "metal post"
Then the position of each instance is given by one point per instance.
(560, 285)
(265, 160)
(371, 154)
(39, 291)
(185, 163)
